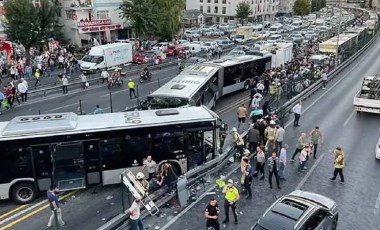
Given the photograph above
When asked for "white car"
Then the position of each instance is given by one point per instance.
(192, 34)
(378, 150)
(208, 45)
(161, 46)
(274, 38)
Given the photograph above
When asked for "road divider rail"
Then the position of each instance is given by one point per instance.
(95, 78)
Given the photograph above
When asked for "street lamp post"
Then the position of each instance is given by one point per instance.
(337, 39)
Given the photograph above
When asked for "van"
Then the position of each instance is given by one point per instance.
(193, 48)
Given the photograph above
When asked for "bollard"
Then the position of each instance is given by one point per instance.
(39, 112)
(158, 81)
(111, 101)
(80, 107)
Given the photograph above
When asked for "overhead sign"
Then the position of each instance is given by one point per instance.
(97, 22)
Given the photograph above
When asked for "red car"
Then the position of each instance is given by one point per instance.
(170, 51)
(139, 58)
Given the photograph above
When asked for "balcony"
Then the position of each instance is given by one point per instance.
(79, 5)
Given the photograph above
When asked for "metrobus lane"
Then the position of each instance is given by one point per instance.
(90, 208)
(94, 95)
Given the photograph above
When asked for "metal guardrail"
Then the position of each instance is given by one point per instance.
(287, 107)
(95, 78)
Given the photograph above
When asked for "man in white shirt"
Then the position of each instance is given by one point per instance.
(134, 214)
(105, 75)
(324, 80)
(297, 110)
(23, 88)
(260, 87)
(282, 162)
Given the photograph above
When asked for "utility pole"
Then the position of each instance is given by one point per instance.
(337, 39)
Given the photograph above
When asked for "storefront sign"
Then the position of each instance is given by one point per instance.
(99, 28)
(97, 22)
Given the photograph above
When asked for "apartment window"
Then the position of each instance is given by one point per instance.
(225, 19)
(201, 8)
(215, 1)
(208, 1)
(200, 0)
(71, 15)
(217, 19)
(215, 10)
(224, 10)
(224, 1)
(208, 9)
(102, 14)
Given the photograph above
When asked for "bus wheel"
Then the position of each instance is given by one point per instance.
(23, 193)
(246, 85)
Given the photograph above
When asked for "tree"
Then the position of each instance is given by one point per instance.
(316, 5)
(243, 10)
(301, 7)
(170, 17)
(152, 17)
(142, 14)
(29, 24)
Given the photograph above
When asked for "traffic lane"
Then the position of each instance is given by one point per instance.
(95, 95)
(88, 210)
(77, 213)
(358, 199)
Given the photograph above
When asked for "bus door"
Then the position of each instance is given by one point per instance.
(92, 161)
(68, 166)
(42, 166)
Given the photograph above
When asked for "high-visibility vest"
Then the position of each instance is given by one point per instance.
(232, 194)
(131, 85)
(37, 74)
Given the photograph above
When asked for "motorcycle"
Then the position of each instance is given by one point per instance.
(145, 77)
(115, 81)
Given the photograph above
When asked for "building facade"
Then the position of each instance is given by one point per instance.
(222, 11)
(285, 7)
(86, 20)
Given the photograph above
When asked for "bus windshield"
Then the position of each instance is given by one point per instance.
(166, 102)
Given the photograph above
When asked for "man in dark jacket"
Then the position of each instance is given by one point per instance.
(253, 138)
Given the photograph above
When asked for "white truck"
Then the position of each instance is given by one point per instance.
(368, 97)
(106, 56)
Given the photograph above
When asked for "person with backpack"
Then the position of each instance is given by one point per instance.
(338, 164)
(270, 135)
(237, 140)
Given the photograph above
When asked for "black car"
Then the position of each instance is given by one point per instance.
(300, 210)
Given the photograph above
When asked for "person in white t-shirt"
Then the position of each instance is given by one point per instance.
(134, 214)
(297, 110)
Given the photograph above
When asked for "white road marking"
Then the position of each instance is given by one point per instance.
(377, 204)
(62, 107)
(348, 118)
(22, 212)
(302, 182)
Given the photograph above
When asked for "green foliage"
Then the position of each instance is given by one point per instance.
(31, 25)
(152, 17)
(316, 5)
(301, 7)
(243, 10)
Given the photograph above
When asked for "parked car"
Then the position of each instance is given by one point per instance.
(192, 34)
(174, 50)
(161, 46)
(225, 43)
(274, 38)
(139, 58)
(300, 210)
(208, 45)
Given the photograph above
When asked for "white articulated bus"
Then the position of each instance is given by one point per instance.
(204, 83)
(75, 152)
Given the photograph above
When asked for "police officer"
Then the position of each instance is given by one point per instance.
(212, 214)
(131, 87)
(231, 198)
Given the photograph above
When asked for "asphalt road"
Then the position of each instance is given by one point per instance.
(358, 200)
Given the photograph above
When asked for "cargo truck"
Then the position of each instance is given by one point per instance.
(106, 56)
(368, 98)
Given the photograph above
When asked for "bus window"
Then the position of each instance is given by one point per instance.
(112, 154)
(232, 75)
(16, 163)
(137, 147)
(249, 70)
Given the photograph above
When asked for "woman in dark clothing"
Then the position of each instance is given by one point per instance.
(265, 108)
(169, 176)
